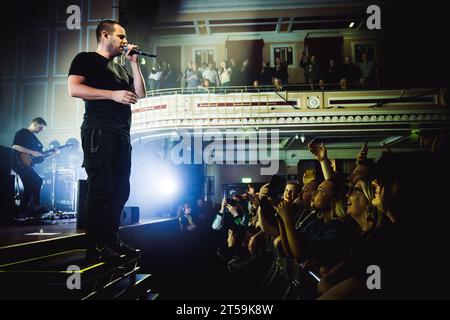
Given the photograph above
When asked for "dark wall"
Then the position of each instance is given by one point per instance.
(246, 49)
(325, 49)
(416, 44)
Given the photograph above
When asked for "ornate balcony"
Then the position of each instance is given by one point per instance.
(293, 109)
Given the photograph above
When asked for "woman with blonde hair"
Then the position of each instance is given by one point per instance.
(347, 279)
(360, 208)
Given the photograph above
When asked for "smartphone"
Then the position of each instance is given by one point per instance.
(276, 186)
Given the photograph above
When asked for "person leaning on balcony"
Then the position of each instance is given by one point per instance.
(278, 86)
(363, 84)
(343, 84)
(256, 87)
(322, 85)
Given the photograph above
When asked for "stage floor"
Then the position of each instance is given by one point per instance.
(18, 235)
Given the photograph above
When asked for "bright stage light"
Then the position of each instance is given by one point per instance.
(164, 182)
(168, 186)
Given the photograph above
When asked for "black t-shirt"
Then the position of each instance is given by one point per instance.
(105, 74)
(327, 243)
(25, 138)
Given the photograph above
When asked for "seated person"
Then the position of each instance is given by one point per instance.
(363, 84)
(278, 85)
(206, 86)
(322, 86)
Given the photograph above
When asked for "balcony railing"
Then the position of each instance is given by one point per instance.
(246, 106)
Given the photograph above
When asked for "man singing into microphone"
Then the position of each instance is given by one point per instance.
(108, 90)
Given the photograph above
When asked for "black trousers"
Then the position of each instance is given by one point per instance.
(32, 184)
(107, 160)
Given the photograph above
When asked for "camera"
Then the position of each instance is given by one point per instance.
(231, 202)
(276, 188)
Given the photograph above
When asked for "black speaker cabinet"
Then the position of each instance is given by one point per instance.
(5, 160)
(130, 215)
(7, 206)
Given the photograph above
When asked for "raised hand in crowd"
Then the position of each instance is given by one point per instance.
(232, 210)
(333, 164)
(386, 146)
(320, 153)
(223, 204)
(286, 210)
(318, 150)
(264, 191)
(362, 155)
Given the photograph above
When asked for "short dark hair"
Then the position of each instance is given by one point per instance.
(105, 25)
(39, 120)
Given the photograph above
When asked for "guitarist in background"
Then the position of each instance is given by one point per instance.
(25, 141)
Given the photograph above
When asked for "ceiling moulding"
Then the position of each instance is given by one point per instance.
(218, 38)
(244, 37)
(192, 6)
(323, 34)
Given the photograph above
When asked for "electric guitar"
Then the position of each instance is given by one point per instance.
(26, 160)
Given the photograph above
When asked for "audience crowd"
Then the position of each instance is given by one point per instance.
(376, 233)
(206, 76)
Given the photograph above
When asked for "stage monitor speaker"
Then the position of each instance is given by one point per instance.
(130, 215)
(5, 160)
(81, 204)
(7, 206)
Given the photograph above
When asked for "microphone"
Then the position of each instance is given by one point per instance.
(139, 52)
